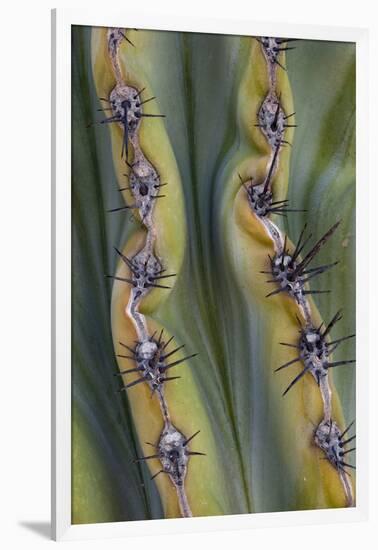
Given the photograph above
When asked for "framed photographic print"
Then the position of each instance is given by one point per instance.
(210, 364)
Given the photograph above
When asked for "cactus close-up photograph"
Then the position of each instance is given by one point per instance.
(191, 305)
(213, 274)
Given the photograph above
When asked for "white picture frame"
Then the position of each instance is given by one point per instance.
(62, 20)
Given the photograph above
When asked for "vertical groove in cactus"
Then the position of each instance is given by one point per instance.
(203, 167)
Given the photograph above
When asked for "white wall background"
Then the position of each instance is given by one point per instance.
(25, 272)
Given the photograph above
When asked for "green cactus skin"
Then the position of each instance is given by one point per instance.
(213, 153)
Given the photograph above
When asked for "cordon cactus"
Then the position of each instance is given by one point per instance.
(213, 201)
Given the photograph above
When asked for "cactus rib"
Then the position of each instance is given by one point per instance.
(287, 268)
(145, 272)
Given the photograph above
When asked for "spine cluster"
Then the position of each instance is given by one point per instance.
(290, 270)
(152, 356)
